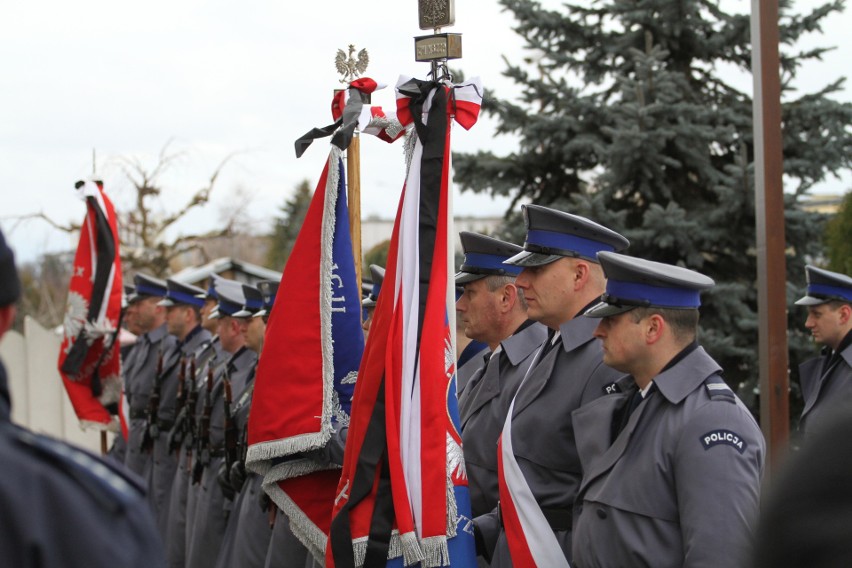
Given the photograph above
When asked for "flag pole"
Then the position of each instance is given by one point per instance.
(350, 67)
(771, 243)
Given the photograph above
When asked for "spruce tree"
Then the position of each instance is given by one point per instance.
(288, 224)
(623, 116)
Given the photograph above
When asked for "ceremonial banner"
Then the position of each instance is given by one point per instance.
(403, 490)
(306, 373)
(89, 360)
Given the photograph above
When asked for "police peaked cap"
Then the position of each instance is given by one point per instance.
(179, 293)
(825, 286)
(253, 303)
(636, 282)
(10, 285)
(269, 289)
(377, 273)
(230, 297)
(484, 256)
(148, 286)
(553, 234)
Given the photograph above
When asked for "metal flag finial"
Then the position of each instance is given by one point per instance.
(436, 14)
(350, 67)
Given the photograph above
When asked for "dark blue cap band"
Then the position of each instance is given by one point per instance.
(374, 293)
(179, 297)
(145, 290)
(489, 262)
(584, 247)
(653, 295)
(228, 308)
(818, 290)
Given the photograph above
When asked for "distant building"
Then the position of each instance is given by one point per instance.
(226, 267)
(827, 203)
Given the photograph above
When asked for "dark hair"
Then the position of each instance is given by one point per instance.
(10, 286)
(684, 322)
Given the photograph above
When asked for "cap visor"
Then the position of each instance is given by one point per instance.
(368, 302)
(810, 301)
(465, 277)
(214, 314)
(527, 258)
(259, 314)
(242, 314)
(602, 310)
(165, 302)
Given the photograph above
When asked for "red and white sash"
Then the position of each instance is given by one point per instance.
(531, 540)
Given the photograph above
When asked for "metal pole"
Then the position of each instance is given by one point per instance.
(771, 243)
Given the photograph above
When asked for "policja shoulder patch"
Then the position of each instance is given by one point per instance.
(726, 437)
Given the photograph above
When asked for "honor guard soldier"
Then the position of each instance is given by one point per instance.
(247, 534)
(826, 381)
(183, 321)
(492, 311)
(184, 436)
(145, 314)
(377, 273)
(540, 470)
(212, 504)
(672, 460)
(62, 506)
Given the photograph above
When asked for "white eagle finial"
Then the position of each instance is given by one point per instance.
(350, 67)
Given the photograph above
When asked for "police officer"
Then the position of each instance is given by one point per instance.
(561, 277)
(492, 311)
(247, 534)
(212, 504)
(145, 313)
(62, 506)
(183, 321)
(827, 380)
(672, 462)
(184, 434)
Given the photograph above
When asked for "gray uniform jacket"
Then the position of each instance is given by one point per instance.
(138, 381)
(826, 382)
(164, 463)
(483, 411)
(679, 486)
(248, 533)
(206, 525)
(210, 356)
(472, 361)
(62, 506)
(570, 375)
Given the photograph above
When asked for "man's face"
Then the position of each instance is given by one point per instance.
(827, 325)
(255, 330)
(479, 312)
(623, 341)
(146, 313)
(209, 324)
(548, 289)
(177, 320)
(131, 319)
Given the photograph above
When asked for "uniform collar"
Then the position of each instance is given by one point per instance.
(528, 337)
(157, 333)
(5, 397)
(686, 374)
(577, 332)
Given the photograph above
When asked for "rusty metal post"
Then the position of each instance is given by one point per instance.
(771, 243)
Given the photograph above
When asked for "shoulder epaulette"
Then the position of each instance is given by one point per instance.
(717, 389)
(105, 482)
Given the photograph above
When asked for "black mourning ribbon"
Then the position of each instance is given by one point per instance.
(343, 128)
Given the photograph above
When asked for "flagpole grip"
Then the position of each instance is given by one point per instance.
(353, 177)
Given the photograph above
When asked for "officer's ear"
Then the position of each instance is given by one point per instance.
(845, 314)
(655, 327)
(7, 318)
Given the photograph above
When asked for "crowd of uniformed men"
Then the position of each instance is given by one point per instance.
(629, 446)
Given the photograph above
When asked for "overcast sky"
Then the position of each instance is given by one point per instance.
(218, 78)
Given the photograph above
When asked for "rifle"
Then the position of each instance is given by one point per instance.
(204, 431)
(179, 429)
(230, 427)
(152, 429)
(191, 402)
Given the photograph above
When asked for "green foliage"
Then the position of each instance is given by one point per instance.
(838, 238)
(377, 255)
(288, 224)
(623, 116)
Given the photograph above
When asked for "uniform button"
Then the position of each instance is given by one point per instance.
(601, 514)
